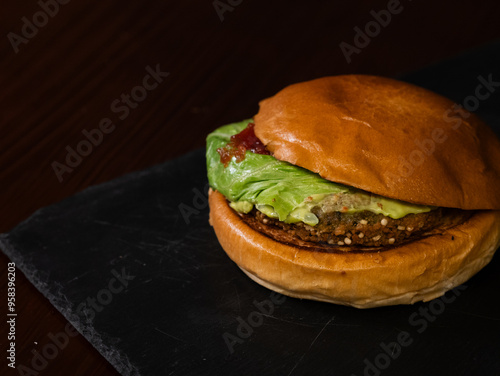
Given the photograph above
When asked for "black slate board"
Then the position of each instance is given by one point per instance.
(185, 294)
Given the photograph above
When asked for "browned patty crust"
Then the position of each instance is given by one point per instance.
(363, 231)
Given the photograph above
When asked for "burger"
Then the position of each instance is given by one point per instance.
(356, 190)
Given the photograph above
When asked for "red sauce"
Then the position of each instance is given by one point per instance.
(240, 143)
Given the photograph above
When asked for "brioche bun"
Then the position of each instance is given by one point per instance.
(377, 133)
(421, 270)
(392, 139)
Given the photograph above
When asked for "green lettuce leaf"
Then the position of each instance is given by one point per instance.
(279, 186)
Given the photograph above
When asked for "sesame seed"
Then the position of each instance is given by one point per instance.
(401, 228)
(361, 235)
(363, 222)
(347, 241)
(265, 220)
(376, 238)
(392, 241)
(384, 222)
(340, 243)
(330, 241)
(409, 229)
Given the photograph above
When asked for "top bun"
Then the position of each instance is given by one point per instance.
(387, 137)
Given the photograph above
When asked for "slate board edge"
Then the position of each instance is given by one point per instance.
(119, 361)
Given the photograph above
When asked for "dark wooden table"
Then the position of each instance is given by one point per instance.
(69, 66)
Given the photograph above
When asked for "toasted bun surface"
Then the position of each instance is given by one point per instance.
(422, 270)
(386, 137)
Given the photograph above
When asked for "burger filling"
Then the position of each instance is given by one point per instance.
(360, 230)
(294, 205)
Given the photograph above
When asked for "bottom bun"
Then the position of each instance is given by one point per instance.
(419, 271)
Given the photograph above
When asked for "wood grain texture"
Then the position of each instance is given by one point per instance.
(65, 78)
